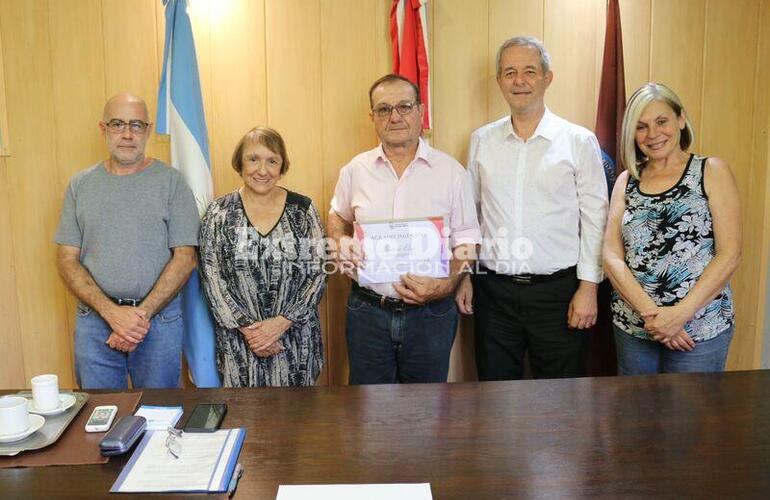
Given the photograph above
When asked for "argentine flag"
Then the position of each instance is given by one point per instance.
(180, 115)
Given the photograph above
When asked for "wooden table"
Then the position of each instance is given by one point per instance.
(676, 436)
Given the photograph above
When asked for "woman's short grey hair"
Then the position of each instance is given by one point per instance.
(632, 156)
(525, 41)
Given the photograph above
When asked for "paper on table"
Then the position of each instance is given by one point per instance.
(205, 464)
(160, 418)
(417, 491)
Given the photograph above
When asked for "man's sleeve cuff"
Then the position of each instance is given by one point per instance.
(594, 274)
(334, 210)
(465, 237)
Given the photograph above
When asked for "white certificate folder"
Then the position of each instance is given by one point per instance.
(205, 464)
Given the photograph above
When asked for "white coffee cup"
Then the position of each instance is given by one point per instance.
(14, 415)
(45, 392)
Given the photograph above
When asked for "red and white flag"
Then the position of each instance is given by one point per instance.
(409, 37)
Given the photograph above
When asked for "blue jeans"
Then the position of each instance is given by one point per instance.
(388, 347)
(156, 362)
(642, 357)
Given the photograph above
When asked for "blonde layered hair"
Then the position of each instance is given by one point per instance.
(632, 156)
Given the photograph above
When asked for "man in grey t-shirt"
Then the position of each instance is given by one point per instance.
(127, 238)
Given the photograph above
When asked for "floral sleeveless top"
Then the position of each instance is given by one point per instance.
(669, 241)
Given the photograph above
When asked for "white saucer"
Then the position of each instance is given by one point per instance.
(65, 403)
(35, 423)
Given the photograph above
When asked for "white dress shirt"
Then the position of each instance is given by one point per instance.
(542, 203)
(433, 185)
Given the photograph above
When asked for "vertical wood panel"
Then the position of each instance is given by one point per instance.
(759, 191)
(570, 34)
(635, 25)
(729, 64)
(238, 43)
(131, 57)
(461, 38)
(293, 90)
(347, 130)
(508, 18)
(78, 96)
(383, 54)
(294, 94)
(202, 15)
(4, 140)
(676, 52)
(33, 189)
(11, 348)
(460, 64)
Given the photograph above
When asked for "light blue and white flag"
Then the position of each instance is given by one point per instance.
(180, 115)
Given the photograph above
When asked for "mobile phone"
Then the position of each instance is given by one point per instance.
(206, 417)
(101, 418)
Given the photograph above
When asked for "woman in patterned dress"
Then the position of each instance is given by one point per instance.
(673, 241)
(261, 258)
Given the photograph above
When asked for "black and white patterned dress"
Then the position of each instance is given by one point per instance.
(250, 277)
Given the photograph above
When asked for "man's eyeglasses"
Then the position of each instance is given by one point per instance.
(174, 442)
(136, 126)
(385, 110)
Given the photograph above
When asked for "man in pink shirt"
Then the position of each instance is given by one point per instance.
(401, 332)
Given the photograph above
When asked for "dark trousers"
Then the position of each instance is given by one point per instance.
(388, 347)
(512, 319)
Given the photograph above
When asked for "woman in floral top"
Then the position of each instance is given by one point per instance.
(673, 241)
(261, 258)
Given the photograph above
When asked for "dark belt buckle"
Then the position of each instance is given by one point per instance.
(392, 304)
(521, 280)
(127, 302)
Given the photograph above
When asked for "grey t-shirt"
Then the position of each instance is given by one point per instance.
(126, 225)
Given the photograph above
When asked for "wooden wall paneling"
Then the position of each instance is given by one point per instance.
(729, 70)
(294, 95)
(161, 143)
(78, 98)
(572, 94)
(131, 61)
(459, 106)
(508, 18)
(348, 69)
(635, 26)
(202, 17)
(238, 65)
(12, 373)
(33, 188)
(460, 65)
(4, 140)
(758, 216)
(293, 89)
(383, 53)
(676, 52)
(600, 11)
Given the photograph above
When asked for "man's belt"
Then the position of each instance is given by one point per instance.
(532, 279)
(126, 302)
(381, 301)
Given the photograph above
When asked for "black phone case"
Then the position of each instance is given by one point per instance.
(123, 435)
(204, 429)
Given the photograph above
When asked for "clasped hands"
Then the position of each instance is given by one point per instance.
(263, 336)
(665, 324)
(129, 327)
(412, 289)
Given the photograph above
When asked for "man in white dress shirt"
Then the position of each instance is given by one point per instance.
(541, 197)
